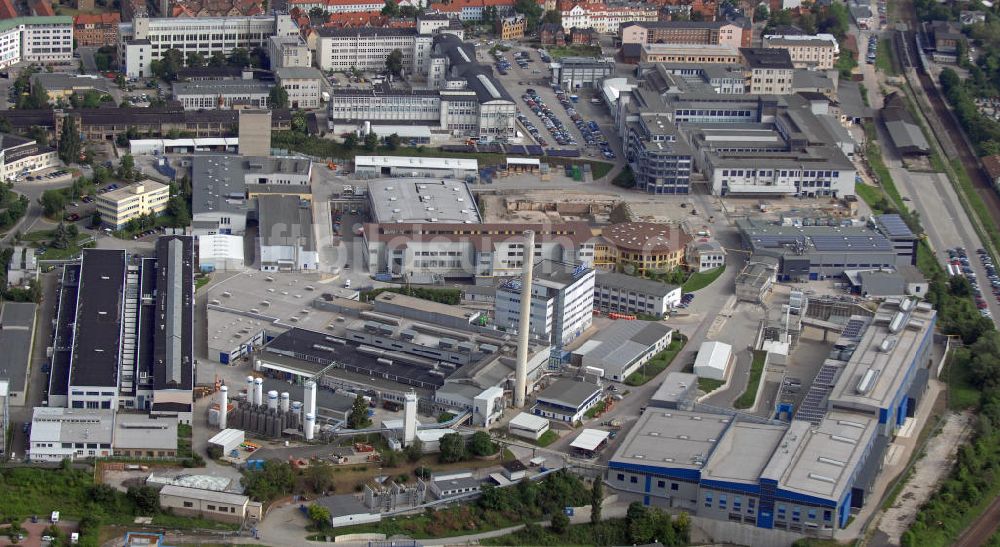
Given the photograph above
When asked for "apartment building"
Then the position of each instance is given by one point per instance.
(36, 40)
(722, 33)
(769, 70)
(511, 27)
(288, 52)
(119, 206)
(606, 18)
(562, 302)
(99, 29)
(473, 10)
(337, 6)
(367, 48)
(144, 39)
(20, 156)
(208, 94)
(302, 85)
(816, 52)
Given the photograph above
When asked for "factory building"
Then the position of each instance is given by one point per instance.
(286, 235)
(620, 293)
(567, 400)
(562, 304)
(622, 348)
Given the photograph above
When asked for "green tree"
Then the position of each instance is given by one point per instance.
(481, 444)
(371, 141)
(299, 122)
(69, 142)
(559, 523)
(532, 13)
(273, 480)
(552, 17)
(414, 451)
(391, 8)
(452, 448)
(278, 97)
(179, 211)
(217, 59)
(145, 498)
(95, 219)
(239, 57)
(317, 14)
(126, 169)
(319, 515)
(196, 60)
(393, 141)
(350, 141)
(37, 97)
(38, 134)
(596, 500)
(490, 14)
(358, 419)
(394, 62)
(319, 477)
(166, 68)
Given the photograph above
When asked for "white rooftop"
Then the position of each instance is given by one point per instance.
(529, 422)
(217, 246)
(590, 439)
(422, 200)
(412, 161)
(226, 436)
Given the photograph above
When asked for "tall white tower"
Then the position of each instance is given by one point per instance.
(409, 418)
(258, 391)
(310, 398)
(524, 321)
(223, 406)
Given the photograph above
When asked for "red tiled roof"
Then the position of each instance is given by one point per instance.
(7, 10)
(458, 5)
(42, 8)
(97, 19)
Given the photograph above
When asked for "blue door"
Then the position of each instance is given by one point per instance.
(223, 358)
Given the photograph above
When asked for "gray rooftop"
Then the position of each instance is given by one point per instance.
(416, 200)
(297, 72)
(569, 392)
(769, 235)
(676, 387)
(672, 438)
(55, 81)
(743, 452)
(204, 495)
(343, 505)
(17, 321)
(222, 87)
(622, 342)
(882, 283)
(285, 221)
(72, 425)
(140, 431)
(219, 183)
(631, 283)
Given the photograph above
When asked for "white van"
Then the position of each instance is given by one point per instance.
(347, 284)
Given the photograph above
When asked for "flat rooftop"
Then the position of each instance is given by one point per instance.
(221, 87)
(285, 221)
(884, 357)
(219, 183)
(743, 452)
(97, 343)
(428, 306)
(119, 194)
(622, 342)
(419, 200)
(821, 461)
(770, 235)
(569, 392)
(672, 438)
(17, 328)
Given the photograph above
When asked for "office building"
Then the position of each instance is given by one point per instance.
(562, 302)
(66, 433)
(816, 52)
(97, 30)
(687, 53)
(622, 348)
(40, 39)
(815, 252)
(367, 48)
(577, 72)
(642, 248)
(627, 294)
(286, 234)
(723, 33)
(472, 10)
(687, 77)
(567, 400)
(224, 188)
(705, 253)
(605, 18)
(461, 250)
(119, 206)
(770, 70)
(421, 200)
(288, 52)
(660, 158)
(144, 39)
(19, 157)
(208, 94)
(337, 6)
(302, 85)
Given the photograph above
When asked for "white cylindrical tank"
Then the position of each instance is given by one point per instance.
(285, 401)
(272, 400)
(310, 402)
(307, 428)
(258, 391)
(223, 405)
(296, 407)
(249, 389)
(256, 365)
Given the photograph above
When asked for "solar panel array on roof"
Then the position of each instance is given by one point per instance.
(814, 405)
(854, 328)
(894, 226)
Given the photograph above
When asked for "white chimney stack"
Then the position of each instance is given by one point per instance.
(258, 391)
(285, 401)
(310, 398)
(524, 322)
(223, 406)
(409, 418)
(307, 428)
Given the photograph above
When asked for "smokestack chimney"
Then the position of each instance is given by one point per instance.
(409, 418)
(524, 323)
(223, 406)
(258, 391)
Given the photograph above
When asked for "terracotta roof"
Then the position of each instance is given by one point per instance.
(97, 19)
(458, 5)
(7, 10)
(42, 8)
(646, 236)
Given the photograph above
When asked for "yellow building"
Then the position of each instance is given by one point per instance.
(124, 204)
(638, 248)
(511, 28)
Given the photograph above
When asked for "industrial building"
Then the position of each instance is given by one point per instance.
(421, 200)
(809, 476)
(224, 188)
(581, 72)
(622, 348)
(124, 331)
(815, 252)
(704, 254)
(20, 157)
(122, 205)
(562, 296)
(64, 433)
(415, 167)
(678, 391)
(286, 235)
(528, 426)
(208, 94)
(567, 400)
(714, 360)
(17, 335)
(209, 504)
(620, 293)
(220, 252)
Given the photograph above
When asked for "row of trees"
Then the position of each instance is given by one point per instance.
(173, 60)
(982, 130)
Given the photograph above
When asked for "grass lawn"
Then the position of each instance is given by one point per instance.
(962, 391)
(547, 438)
(709, 385)
(756, 370)
(610, 532)
(593, 411)
(869, 194)
(200, 282)
(579, 50)
(657, 364)
(700, 280)
(883, 58)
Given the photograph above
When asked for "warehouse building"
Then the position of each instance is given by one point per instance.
(17, 334)
(622, 348)
(528, 426)
(415, 167)
(678, 391)
(567, 400)
(209, 504)
(620, 293)
(420, 200)
(286, 236)
(64, 433)
(220, 252)
(581, 72)
(208, 94)
(562, 305)
(713, 360)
